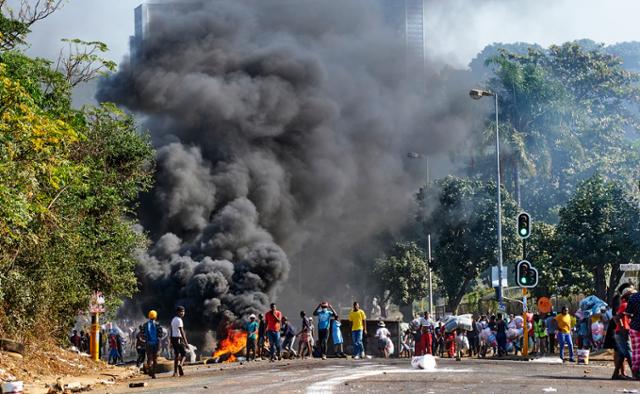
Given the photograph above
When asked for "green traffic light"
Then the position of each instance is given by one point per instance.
(523, 280)
(523, 231)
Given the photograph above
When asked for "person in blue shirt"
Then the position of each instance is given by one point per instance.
(336, 337)
(252, 336)
(152, 333)
(325, 312)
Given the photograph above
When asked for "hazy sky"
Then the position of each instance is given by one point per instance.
(456, 29)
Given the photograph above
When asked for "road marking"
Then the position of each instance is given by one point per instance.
(327, 386)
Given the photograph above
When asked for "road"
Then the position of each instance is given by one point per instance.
(385, 376)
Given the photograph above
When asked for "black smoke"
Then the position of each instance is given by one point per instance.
(282, 129)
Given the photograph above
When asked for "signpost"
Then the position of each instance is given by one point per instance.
(96, 307)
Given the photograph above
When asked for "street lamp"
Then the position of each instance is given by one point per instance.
(477, 94)
(414, 155)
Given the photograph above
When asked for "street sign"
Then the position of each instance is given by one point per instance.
(629, 267)
(96, 305)
(494, 277)
(544, 305)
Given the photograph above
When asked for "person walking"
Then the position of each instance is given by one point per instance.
(152, 334)
(358, 320)
(252, 336)
(426, 337)
(141, 346)
(541, 335)
(273, 319)
(501, 335)
(551, 325)
(633, 309)
(336, 337)
(563, 321)
(288, 332)
(325, 313)
(262, 334)
(304, 342)
(621, 335)
(179, 341)
(385, 345)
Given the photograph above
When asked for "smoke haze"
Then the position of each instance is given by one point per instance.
(282, 132)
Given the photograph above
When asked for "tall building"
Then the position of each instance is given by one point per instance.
(145, 14)
(406, 17)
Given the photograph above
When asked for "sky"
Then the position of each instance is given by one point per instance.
(456, 29)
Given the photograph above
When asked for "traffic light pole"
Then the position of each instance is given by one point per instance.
(500, 301)
(525, 337)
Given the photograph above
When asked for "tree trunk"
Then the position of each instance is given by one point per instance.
(601, 284)
(454, 302)
(407, 312)
(616, 275)
(516, 175)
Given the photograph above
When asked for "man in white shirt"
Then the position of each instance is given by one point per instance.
(426, 339)
(178, 341)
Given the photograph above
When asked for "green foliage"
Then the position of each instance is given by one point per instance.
(403, 273)
(598, 230)
(565, 112)
(463, 227)
(68, 183)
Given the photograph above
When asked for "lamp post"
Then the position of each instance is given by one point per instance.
(477, 94)
(414, 155)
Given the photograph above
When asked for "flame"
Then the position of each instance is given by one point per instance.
(235, 341)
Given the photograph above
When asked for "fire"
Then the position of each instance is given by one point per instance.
(235, 341)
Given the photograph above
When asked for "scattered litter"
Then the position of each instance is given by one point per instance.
(102, 381)
(138, 384)
(12, 387)
(627, 391)
(427, 362)
(549, 390)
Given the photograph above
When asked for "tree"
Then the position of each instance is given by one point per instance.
(599, 229)
(403, 276)
(565, 112)
(541, 250)
(15, 22)
(68, 184)
(464, 233)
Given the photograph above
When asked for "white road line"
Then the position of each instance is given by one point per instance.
(327, 386)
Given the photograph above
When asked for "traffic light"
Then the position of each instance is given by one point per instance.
(526, 274)
(524, 225)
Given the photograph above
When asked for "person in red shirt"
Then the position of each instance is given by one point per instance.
(621, 335)
(273, 319)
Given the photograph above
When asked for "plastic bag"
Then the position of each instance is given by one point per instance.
(426, 362)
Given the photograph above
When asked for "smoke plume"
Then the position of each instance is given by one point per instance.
(282, 129)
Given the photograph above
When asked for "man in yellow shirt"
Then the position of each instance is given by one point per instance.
(358, 320)
(563, 321)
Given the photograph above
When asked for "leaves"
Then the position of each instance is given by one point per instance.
(403, 273)
(69, 180)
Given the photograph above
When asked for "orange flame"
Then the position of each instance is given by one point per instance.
(235, 341)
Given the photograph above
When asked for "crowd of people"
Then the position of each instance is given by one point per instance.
(271, 335)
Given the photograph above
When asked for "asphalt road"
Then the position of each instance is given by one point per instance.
(385, 376)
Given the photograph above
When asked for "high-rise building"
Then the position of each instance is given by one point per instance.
(145, 14)
(406, 17)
